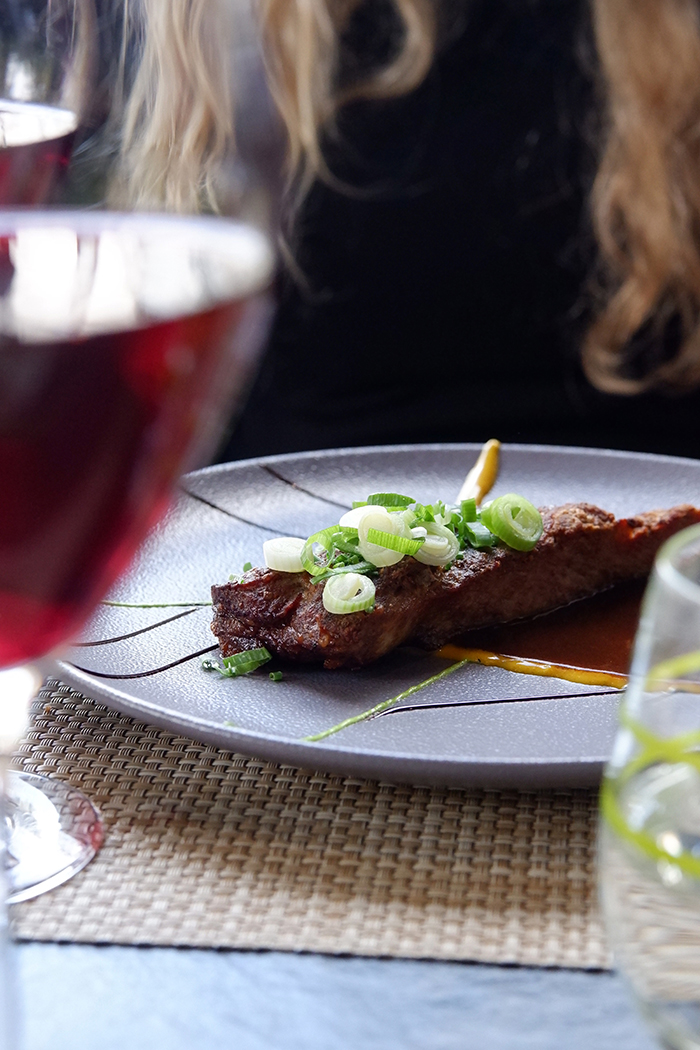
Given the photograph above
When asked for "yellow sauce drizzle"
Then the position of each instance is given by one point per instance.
(481, 478)
(584, 676)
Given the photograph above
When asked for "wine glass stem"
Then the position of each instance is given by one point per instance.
(8, 982)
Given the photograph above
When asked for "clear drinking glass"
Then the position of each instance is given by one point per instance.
(650, 804)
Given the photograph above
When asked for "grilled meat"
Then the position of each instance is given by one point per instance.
(583, 550)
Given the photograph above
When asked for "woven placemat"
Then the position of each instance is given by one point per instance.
(211, 849)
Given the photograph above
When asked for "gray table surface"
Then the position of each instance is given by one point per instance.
(80, 997)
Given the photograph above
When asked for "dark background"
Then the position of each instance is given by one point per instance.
(445, 295)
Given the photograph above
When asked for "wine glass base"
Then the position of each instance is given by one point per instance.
(53, 831)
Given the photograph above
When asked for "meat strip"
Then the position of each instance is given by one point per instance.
(582, 550)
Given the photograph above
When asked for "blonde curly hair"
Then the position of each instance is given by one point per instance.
(179, 120)
(178, 117)
(646, 197)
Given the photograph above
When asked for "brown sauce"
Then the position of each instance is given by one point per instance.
(591, 636)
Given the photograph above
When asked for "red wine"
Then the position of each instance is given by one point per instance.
(120, 338)
(35, 144)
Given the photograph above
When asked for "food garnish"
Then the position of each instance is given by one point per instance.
(481, 478)
(239, 663)
(283, 553)
(349, 593)
(514, 520)
(387, 527)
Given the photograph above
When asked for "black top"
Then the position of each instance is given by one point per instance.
(449, 304)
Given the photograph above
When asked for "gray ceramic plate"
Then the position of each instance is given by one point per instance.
(479, 726)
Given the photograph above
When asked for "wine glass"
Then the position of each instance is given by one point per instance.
(650, 804)
(125, 335)
(47, 71)
(46, 64)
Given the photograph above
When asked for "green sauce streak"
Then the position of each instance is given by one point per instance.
(384, 705)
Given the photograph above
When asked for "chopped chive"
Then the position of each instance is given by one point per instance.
(478, 535)
(469, 509)
(365, 568)
(238, 664)
(378, 709)
(393, 542)
(390, 499)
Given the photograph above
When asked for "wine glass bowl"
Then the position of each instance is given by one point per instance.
(110, 383)
(46, 72)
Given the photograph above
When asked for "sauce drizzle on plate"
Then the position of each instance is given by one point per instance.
(589, 641)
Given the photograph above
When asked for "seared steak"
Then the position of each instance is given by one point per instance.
(583, 550)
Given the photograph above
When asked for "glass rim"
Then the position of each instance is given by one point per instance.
(668, 571)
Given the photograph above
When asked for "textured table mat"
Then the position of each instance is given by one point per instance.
(211, 849)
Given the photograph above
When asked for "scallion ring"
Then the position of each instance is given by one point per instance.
(283, 553)
(379, 519)
(348, 593)
(351, 518)
(514, 520)
(308, 558)
(440, 547)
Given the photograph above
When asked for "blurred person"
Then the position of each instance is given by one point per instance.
(493, 213)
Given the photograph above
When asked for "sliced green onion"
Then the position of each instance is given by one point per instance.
(478, 535)
(346, 539)
(449, 517)
(283, 553)
(514, 520)
(379, 518)
(308, 559)
(351, 518)
(469, 509)
(238, 664)
(248, 660)
(395, 543)
(423, 513)
(440, 547)
(347, 532)
(348, 593)
(389, 499)
(275, 676)
(360, 565)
